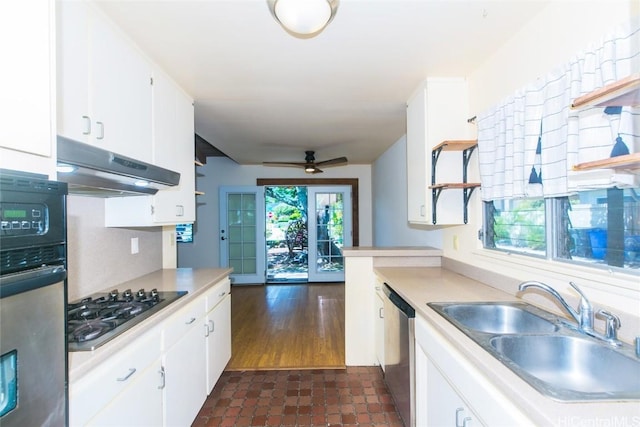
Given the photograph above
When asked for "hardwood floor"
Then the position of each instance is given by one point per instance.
(287, 327)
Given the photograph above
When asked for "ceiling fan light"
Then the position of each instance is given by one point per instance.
(303, 17)
(309, 169)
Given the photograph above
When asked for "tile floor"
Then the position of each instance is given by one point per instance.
(355, 396)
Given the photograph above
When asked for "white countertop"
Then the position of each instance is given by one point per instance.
(402, 251)
(194, 281)
(418, 286)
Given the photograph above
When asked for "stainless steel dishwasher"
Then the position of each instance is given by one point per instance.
(399, 353)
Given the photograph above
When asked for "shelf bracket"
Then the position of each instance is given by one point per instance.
(435, 155)
(466, 157)
(466, 196)
(435, 194)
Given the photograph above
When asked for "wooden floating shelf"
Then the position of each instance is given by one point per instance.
(455, 145)
(444, 186)
(199, 193)
(628, 161)
(198, 163)
(624, 92)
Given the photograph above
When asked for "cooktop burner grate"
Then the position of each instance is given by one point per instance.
(95, 320)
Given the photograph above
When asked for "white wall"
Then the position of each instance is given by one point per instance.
(390, 226)
(218, 171)
(100, 258)
(551, 38)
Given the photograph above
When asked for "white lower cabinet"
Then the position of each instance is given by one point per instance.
(140, 404)
(379, 323)
(100, 397)
(184, 365)
(217, 332)
(450, 391)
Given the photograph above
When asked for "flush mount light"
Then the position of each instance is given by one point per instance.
(141, 183)
(303, 18)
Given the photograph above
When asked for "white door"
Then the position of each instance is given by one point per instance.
(329, 231)
(242, 228)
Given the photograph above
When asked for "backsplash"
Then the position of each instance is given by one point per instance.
(100, 258)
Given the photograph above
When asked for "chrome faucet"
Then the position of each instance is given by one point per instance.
(583, 316)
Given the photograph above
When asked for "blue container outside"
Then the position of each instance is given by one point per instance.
(598, 238)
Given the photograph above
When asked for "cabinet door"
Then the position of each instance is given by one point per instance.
(417, 157)
(379, 325)
(445, 406)
(119, 91)
(140, 404)
(173, 148)
(104, 93)
(73, 116)
(26, 38)
(91, 394)
(184, 364)
(218, 341)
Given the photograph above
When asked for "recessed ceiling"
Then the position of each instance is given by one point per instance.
(263, 95)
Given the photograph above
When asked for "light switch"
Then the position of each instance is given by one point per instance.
(134, 245)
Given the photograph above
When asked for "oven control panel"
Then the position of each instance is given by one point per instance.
(23, 219)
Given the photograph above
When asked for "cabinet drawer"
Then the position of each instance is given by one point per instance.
(92, 392)
(217, 294)
(181, 322)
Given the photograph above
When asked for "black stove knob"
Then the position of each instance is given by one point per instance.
(127, 294)
(141, 293)
(113, 295)
(153, 293)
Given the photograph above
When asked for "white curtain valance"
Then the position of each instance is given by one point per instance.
(528, 144)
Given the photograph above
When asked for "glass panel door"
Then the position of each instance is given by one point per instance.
(329, 232)
(242, 242)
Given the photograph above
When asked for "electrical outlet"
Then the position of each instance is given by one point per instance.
(455, 242)
(135, 248)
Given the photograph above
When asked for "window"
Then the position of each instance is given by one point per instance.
(596, 227)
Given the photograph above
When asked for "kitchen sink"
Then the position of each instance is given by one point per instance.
(546, 351)
(498, 318)
(569, 366)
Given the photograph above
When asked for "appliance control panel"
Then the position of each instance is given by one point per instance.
(23, 219)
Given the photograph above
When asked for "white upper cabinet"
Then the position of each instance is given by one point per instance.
(173, 148)
(104, 84)
(437, 112)
(27, 100)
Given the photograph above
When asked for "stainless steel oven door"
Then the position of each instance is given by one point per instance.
(33, 353)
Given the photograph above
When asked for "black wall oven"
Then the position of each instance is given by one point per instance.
(33, 349)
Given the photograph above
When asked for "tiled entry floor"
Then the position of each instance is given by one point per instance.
(354, 396)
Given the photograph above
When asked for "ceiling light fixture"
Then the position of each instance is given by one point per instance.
(303, 18)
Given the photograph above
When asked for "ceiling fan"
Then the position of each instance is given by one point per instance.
(310, 165)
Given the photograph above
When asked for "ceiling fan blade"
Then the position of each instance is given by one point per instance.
(333, 162)
(316, 170)
(296, 164)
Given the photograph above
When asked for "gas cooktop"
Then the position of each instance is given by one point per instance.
(95, 320)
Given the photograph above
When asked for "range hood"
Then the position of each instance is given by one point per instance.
(92, 171)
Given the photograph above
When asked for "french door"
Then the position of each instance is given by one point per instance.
(243, 243)
(242, 237)
(329, 231)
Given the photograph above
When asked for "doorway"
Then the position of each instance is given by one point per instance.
(330, 210)
(306, 229)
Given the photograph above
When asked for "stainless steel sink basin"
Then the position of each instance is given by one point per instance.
(554, 357)
(569, 366)
(497, 318)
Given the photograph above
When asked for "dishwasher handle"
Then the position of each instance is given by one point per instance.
(397, 300)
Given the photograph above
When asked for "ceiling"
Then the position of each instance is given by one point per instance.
(263, 95)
